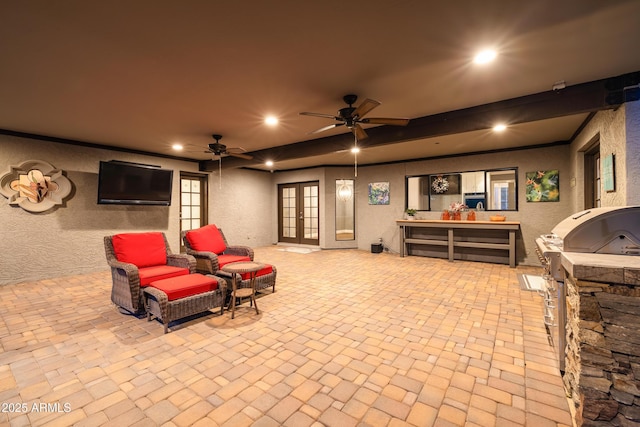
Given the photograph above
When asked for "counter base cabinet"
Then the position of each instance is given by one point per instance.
(484, 241)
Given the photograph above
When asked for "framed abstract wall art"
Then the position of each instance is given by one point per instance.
(378, 193)
(543, 186)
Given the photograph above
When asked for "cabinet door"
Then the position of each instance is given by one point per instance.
(479, 182)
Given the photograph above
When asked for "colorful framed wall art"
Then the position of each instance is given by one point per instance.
(543, 186)
(378, 193)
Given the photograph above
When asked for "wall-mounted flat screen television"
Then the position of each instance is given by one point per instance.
(124, 183)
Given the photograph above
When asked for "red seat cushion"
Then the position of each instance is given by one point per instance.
(226, 259)
(140, 249)
(185, 286)
(206, 239)
(268, 269)
(159, 272)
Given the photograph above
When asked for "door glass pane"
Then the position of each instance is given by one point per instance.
(190, 203)
(289, 212)
(310, 209)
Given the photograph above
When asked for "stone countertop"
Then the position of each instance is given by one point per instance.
(604, 268)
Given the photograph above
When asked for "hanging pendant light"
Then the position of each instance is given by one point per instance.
(345, 193)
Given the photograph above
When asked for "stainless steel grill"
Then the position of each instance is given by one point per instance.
(613, 230)
(601, 231)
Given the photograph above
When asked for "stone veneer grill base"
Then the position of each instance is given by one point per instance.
(602, 373)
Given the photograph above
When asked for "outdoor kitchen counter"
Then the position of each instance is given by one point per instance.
(482, 235)
(606, 268)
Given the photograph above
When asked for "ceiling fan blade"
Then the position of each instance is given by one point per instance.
(359, 132)
(327, 128)
(240, 155)
(386, 121)
(326, 116)
(366, 106)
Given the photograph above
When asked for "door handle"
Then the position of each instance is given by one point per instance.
(300, 217)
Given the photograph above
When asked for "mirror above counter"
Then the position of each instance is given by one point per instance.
(491, 190)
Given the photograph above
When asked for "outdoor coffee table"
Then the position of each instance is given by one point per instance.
(236, 269)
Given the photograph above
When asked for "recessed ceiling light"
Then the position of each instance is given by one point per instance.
(271, 120)
(485, 56)
(268, 163)
(355, 150)
(177, 147)
(499, 128)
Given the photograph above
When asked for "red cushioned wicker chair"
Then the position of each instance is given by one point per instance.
(211, 250)
(136, 260)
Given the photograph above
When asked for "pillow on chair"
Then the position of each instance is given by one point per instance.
(140, 249)
(207, 239)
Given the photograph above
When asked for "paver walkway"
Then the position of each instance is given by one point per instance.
(349, 338)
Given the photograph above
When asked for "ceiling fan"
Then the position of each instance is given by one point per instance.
(352, 117)
(220, 150)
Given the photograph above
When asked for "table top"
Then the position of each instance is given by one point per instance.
(243, 267)
(441, 223)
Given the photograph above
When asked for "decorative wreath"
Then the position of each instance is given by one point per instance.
(440, 184)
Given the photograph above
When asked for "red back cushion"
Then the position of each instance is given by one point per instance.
(140, 249)
(207, 239)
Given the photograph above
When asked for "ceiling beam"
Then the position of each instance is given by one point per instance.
(581, 98)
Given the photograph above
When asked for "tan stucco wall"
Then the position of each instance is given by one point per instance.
(68, 240)
(618, 132)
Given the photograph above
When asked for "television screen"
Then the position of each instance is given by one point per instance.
(133, 184)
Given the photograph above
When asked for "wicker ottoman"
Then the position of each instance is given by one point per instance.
(182, 296)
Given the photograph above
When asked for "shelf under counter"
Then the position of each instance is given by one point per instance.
(458, 235)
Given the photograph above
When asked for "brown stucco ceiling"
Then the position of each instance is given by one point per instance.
(143, 75)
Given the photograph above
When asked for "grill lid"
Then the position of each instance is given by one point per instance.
(611, 230)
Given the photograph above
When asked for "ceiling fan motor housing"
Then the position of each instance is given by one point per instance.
(217, 148)
(346, 112)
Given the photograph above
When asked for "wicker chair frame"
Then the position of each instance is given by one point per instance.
(207, 263)
(126, 291)
(157, 304)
